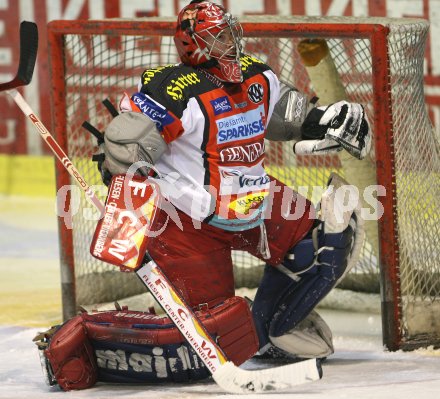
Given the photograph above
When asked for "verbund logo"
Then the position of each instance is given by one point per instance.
(221, 105)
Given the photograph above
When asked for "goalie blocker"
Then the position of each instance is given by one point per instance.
(122, 234)
(139, 347)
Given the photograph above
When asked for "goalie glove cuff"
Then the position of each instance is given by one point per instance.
(342, 122)
(312, 127)
(316, 147)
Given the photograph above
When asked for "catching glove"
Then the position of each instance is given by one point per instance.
(341, 124)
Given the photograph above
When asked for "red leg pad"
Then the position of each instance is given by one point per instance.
(231, 322)
(71, 356)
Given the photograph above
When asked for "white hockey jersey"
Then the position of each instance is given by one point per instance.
(213, 169)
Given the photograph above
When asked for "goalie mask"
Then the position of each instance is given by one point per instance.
(209, 37)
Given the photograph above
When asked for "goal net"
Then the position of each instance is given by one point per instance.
(376, 62)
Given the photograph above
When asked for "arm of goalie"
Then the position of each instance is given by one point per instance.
(319, 130)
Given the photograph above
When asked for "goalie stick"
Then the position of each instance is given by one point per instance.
(228, 376)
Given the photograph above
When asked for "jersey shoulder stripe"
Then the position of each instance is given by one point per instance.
(174, 85)
(251, 66)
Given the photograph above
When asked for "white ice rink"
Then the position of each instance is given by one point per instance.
(359, 369)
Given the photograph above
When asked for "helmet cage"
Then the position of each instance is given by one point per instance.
(221, 41)
(211, 39)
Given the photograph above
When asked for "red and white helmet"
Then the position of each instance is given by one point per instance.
(207, 36)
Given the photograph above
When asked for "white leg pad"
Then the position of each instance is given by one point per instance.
(312, 338)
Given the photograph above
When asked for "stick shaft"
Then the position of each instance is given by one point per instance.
(182, 315)
(56, 149)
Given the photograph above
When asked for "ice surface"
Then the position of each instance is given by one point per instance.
(359, 369)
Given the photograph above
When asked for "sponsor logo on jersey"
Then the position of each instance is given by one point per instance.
(178, 85)
(246, 61)
(150, 73)
(156, 112)
(244, 204)
(256, 93)
(243, 153)
(241, 105)
(244, 180)
(230, 173)
(221, 105)
(242, 126)
(249, 181)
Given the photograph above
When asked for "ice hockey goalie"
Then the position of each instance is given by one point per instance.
(198, 130)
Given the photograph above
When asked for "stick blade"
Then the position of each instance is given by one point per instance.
(236, 380)
(28, 51)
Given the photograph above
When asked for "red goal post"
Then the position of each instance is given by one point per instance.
(378, 61)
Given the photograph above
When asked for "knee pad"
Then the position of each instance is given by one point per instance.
(288, 292)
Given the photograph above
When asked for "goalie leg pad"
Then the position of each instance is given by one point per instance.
(314, 282)
(140, 347)
(289, 291)
(311, 338)
(71, 357)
